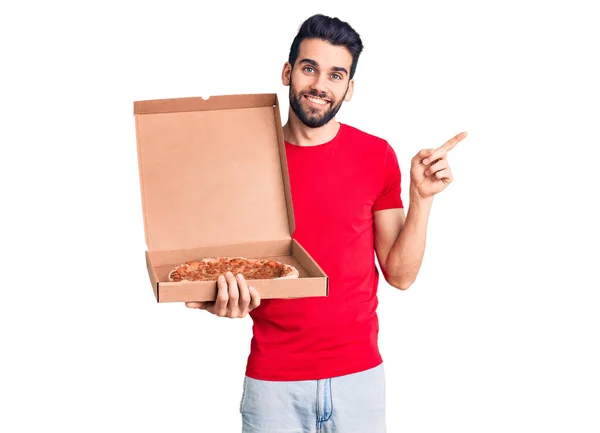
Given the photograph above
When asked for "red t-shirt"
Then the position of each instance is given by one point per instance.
(335, 187)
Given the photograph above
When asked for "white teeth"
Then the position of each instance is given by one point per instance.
(317, 101)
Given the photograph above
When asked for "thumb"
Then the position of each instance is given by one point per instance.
(423, 153)
(417, 160)
(201, 305)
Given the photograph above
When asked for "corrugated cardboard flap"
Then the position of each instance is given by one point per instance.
(213, 171)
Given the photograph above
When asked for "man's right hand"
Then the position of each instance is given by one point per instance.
(234, 298)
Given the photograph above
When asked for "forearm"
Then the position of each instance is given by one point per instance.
(406, 256)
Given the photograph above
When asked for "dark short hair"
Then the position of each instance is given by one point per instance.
(331, 30)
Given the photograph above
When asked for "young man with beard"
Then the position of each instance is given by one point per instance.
(314, 364)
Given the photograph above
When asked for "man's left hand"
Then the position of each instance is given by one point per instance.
(430, 172)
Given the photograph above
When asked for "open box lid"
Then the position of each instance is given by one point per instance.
(212, 172)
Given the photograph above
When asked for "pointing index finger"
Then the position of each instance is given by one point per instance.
(449, 145)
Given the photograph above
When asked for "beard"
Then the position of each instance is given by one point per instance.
(313, 118)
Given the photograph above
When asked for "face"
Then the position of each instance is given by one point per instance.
(319, 81)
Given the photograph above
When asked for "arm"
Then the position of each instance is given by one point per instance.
(400, 240)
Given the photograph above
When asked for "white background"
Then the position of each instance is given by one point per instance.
(499, 333)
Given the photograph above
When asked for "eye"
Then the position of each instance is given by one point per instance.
(308, 69)
(336, 76)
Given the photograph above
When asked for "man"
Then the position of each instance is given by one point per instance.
(314, 364)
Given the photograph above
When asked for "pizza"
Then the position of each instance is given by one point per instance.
(209, 269)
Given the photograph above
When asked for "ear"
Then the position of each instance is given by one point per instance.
(350, 91)
(286, 74)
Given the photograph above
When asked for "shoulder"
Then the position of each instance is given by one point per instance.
(356, 133)
(366, 140)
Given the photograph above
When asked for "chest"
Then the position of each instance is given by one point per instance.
(339, 190)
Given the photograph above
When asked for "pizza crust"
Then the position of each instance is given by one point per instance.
(288, 270)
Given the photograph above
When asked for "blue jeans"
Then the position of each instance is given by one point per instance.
(354, 403)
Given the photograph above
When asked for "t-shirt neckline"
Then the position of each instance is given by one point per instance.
(329, 143)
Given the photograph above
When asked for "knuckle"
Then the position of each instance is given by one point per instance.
(221, 306)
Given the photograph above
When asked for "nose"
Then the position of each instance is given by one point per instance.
(319, 84)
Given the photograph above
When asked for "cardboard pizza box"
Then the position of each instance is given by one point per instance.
(214, 182)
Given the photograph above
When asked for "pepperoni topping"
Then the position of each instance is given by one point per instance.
(210, 269)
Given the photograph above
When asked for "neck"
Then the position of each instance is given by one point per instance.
(296, 132)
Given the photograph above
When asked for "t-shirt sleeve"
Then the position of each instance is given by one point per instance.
(389, 197)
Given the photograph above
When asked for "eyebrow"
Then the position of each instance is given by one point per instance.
(333, 68)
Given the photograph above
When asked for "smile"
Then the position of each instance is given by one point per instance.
(316, 101)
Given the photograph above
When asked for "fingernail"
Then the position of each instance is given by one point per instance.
(251, 288)
(221, 278)
(240, 276)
